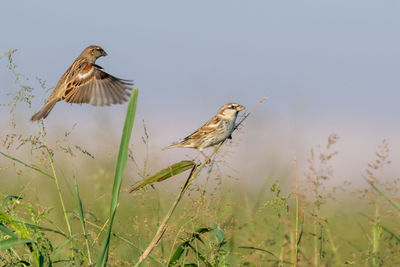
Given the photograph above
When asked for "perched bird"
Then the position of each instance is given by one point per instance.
(85, 82)
(213, 132)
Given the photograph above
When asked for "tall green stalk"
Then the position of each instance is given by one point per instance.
(82, 220)
(119, 172)
(376, 234)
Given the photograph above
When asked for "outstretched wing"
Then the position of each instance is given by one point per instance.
(94, 86)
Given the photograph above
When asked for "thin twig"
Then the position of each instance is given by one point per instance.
(241, 121)
(251, 111)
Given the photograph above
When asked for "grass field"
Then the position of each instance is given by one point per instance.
(54, 213)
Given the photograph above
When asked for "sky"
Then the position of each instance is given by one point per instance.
(327, 66)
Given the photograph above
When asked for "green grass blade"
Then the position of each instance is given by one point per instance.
(7, 231)
(200, 256)
(37, 227)
(61, 247)
(196, 235)
(387, 230)
(166, 173)
(182, 246)
(178, 253)
(27, 165)
(300, 232)
(82, 220)
(12, 242)
(119, 171)
(260, 249)
(7, 199)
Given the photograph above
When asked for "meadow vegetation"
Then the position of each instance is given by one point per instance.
(54, 215)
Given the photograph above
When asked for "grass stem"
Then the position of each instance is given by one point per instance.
(297, 209)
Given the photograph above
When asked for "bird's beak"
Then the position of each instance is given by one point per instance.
(104, 53)
(239, 108)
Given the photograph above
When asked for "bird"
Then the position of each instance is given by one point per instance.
(213, 132)
(86, 82)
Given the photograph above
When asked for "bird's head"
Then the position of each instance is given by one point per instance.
(93, 52)
(230, 110)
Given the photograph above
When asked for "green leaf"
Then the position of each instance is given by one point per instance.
(119, 172)
(12, 242)
(38, 227)
(166, 173)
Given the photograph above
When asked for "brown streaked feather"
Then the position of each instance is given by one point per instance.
(98, 88)
(67, 80)
(200, 132)
(207, 128)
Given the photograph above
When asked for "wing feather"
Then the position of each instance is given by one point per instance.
(206, 129)
(98, 88)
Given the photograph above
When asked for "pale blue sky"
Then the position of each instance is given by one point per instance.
(326, 64)
(336, 57)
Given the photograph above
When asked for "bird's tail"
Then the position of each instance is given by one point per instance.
(44, 112)
(174, 145)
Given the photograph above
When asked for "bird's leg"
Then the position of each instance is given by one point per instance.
(208, 160)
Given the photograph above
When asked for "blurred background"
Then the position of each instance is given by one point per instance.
(328, 67)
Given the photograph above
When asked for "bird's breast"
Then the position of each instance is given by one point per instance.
(86, 71)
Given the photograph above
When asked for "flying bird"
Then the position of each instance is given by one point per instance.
(86, 82)
(213, 132)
